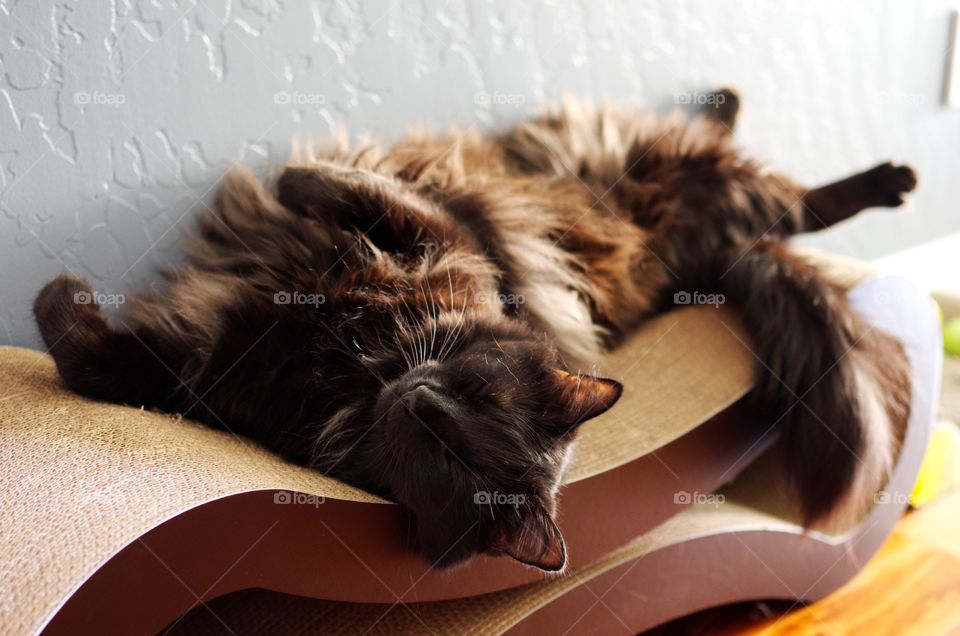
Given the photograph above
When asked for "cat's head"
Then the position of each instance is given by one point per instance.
(477, 444)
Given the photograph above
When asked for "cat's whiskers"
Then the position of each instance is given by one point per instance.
(406, 322)
(461, 319)
(433, 321)
(428, 346)
(403, 352)
(421, 337)
(454, 331)
(408, 350)
(446, 345)
(447, 337)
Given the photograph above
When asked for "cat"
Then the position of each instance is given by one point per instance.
(411, 322)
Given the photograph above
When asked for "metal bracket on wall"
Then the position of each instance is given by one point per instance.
(951, 92)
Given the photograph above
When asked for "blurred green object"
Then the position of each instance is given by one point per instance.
(940, 471)
(951, 337)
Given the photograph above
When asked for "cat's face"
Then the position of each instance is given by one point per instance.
(478, 443)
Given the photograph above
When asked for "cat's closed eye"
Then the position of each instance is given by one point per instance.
(473, 390)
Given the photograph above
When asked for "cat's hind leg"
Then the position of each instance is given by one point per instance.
(93, 359)
(723, 106)
(882, 186)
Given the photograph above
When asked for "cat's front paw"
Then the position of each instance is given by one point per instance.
(61, 294)
(59, 303)
(891, 183)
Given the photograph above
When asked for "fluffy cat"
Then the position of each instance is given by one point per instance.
(409, 321)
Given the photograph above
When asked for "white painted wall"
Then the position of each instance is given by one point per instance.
(117, 118)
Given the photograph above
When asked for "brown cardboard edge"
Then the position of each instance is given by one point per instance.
(246, 540)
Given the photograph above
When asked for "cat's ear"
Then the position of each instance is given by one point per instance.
(535, 541)
(584, 397)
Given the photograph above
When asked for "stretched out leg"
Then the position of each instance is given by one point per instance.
(93, 359)
(723, 106)
(882, 186)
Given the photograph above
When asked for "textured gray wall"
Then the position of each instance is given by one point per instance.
(117, 118)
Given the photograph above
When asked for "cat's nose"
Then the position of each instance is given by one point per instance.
(410, 399)
(421, 401)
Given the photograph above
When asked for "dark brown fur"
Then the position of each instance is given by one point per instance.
(458, 276)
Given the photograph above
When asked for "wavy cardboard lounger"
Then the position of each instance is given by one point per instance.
(119, 520)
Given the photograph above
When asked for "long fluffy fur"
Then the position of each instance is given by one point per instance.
(594, 218)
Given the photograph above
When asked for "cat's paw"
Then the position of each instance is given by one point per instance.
(723, 106)
(727, 97)
(61, 292)
(59, 302)
(891, 183)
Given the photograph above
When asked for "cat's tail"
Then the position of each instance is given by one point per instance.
(93, 359)
(839, 387)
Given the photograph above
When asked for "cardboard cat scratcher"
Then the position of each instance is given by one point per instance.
(120, 520)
